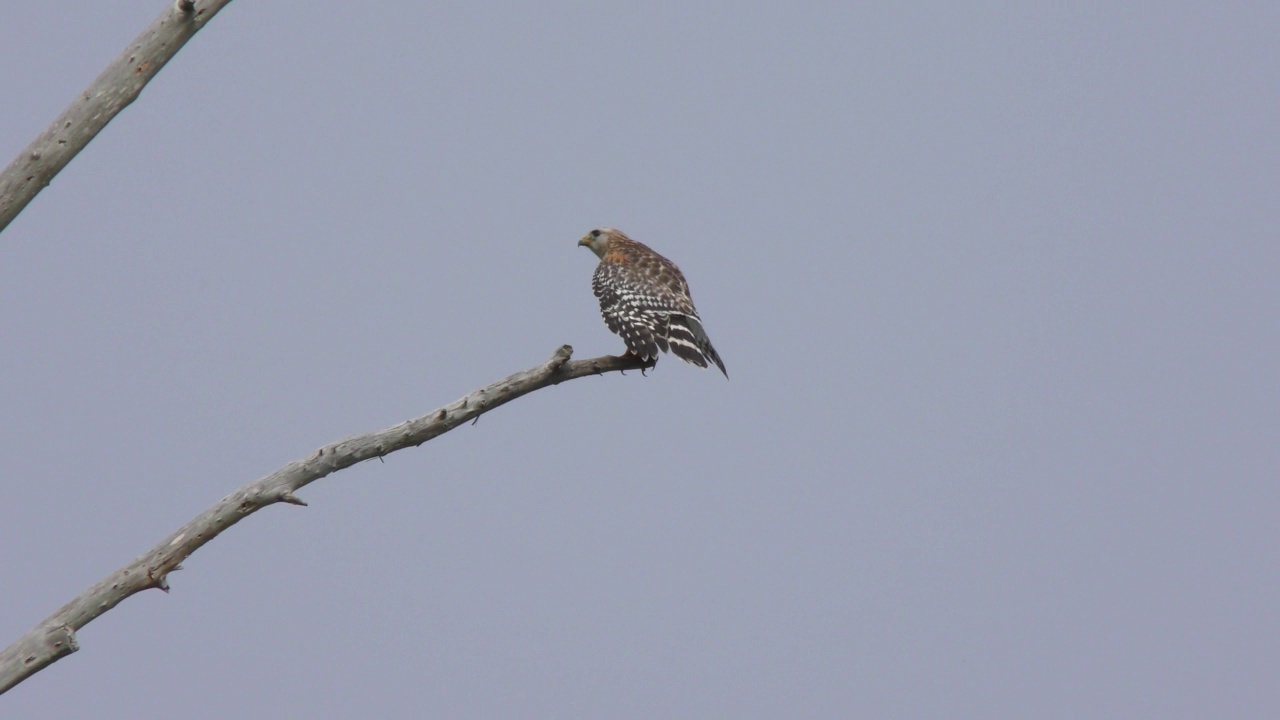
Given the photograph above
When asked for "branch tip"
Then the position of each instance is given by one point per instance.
(288, 497)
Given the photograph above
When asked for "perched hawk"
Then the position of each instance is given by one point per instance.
(644, 298)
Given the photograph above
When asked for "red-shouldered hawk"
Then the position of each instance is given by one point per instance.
(644, 298)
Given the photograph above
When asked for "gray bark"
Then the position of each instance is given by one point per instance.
(54, 638)
(113, 90)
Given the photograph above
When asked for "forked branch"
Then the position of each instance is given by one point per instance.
(54, 638)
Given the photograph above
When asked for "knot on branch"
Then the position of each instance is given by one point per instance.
(560, 357)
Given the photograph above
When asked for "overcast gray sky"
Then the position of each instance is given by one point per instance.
(996, 286)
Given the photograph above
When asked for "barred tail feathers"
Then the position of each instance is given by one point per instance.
(690, 343)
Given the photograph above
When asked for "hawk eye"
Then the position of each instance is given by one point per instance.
(595, 233)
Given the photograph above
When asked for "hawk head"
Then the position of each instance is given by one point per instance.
(599, 239)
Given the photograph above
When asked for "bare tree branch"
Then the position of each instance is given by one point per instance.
(112, 91)
(54, 638)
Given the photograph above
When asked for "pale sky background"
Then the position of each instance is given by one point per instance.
(996, 285)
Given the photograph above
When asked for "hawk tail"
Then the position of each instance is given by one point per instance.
(690, 343)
